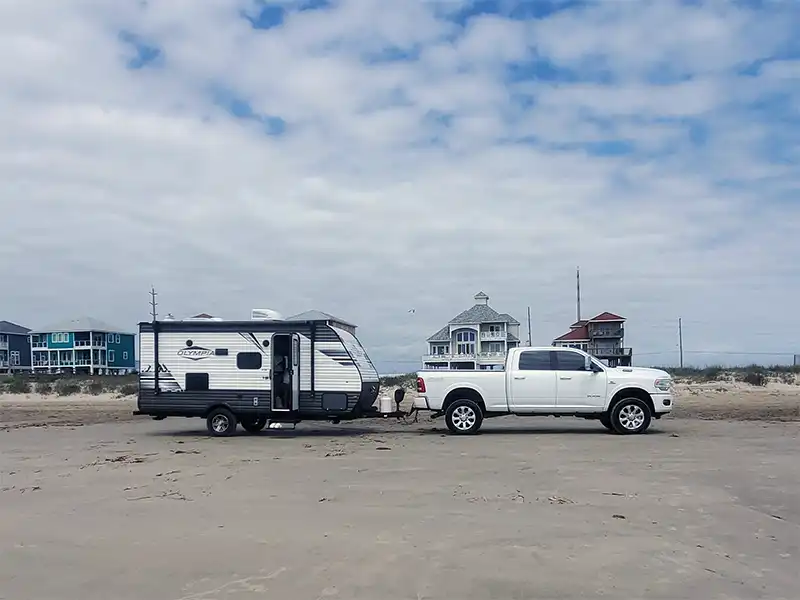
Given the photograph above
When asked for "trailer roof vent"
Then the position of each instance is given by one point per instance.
(265, 314)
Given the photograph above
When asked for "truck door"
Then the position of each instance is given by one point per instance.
(578, 388)
(532, 381)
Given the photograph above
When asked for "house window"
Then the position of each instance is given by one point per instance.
(14, 358)
(124, 356)
(465, 342)
(110, 338)
(111, 356)
(116, 339)
(248, 360)
(492, 347)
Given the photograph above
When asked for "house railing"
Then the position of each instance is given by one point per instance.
(500, 356)
(493, 335)
(38, 344)
(609, 352)
(607, 333)
(3, 345)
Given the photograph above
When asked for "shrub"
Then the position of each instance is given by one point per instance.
(130, 389)
(408, 379)
(755, 378)
(18, 385)
(44, 388)
(67, 388)
(95, 388)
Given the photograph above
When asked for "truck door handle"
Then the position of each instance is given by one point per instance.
(519, 376)
(562, 377)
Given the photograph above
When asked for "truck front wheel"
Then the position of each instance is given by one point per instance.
(463, 417)
(630, 416)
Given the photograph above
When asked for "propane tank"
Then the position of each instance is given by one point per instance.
(386, 406)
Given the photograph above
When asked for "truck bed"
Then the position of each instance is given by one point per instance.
(491, 385)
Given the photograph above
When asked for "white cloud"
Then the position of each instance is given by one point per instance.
(399, 184)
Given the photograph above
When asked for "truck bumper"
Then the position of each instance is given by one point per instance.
(663, 403)
(421, 403)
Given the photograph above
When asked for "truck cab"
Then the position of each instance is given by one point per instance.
(550, 380)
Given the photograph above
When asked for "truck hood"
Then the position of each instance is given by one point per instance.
(637, 372)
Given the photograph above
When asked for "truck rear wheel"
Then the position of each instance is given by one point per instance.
(463, 417)
(221, 422)
(630, 416)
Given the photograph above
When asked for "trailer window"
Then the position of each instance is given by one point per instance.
(248, 360)
(196, 382)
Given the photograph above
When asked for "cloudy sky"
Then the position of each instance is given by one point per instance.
(369, 157)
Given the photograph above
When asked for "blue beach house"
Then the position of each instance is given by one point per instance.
(83, 345)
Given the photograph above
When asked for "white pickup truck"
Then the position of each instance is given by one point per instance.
(554, 381)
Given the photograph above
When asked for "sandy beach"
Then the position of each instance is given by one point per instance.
(716, 400)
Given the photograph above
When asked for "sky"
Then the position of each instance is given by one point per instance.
(385, 161)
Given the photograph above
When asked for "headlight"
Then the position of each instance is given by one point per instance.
(663, 385)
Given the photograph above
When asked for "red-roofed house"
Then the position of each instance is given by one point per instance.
(602, 336)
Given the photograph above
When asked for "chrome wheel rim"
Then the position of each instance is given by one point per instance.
(464, 418)
(219, 423)
(631, 417)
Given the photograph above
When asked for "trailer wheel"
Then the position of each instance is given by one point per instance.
(221, 422)
(630, 416)
(463, 417)
(254, 425)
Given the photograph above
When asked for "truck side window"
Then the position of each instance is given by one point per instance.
(569, 361)
(535, 360)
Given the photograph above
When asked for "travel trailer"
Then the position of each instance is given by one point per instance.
(267, 369)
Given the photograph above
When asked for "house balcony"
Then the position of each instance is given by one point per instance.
(607, 333)
(39, 345)
(493, 335)
(3, 345)
(602, 352)
(480, 357)
(97, 343)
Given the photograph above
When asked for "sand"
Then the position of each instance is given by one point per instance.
(531, 508)
(717, 400)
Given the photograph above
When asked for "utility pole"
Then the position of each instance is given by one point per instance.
(578, 275)
(530, 341)
(153, 303)
(680, 339)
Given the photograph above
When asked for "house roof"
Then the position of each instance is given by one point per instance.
(9, 328)
(512, 338)
(577, 324)
(579, 334)
(443, 335)
(81, 324)
(607, 316)
(481, 313)
(509, 319)
(318, 315)
(203, 316)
